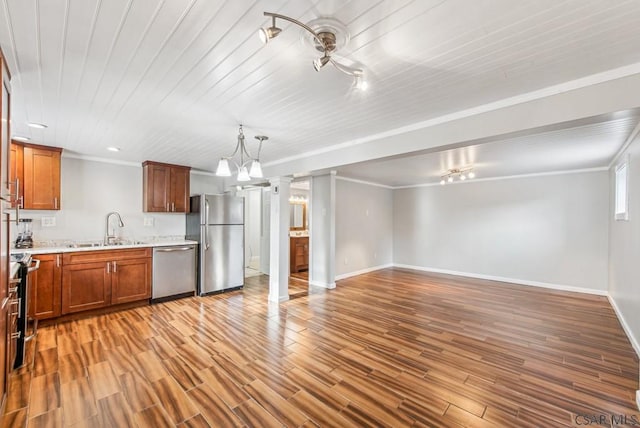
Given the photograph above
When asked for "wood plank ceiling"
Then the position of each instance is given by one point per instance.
(171, 80)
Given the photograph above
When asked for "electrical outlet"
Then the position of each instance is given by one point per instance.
(346, 261)
(375, 255)
(48, 221)
(148, 222)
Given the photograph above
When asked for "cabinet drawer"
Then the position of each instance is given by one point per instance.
(105, 255)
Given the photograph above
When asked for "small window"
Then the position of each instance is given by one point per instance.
(622, 191)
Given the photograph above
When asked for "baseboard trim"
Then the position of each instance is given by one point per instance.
(627, 330)
(504, 279)
(276, 299)
(329, 285)
(363, 271)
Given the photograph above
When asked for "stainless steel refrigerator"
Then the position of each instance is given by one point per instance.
(217, 223)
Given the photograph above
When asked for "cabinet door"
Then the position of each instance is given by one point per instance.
(41, 179)
(157, 181)
(45, 293)
(86, 286)
(130, 280)
(16, 175)
(180, 190)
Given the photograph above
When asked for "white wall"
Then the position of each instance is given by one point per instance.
(624, 251)
(364, 227)
(540, 230)
(252, 224)
(90, 190)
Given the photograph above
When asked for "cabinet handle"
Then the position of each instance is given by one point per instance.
(58, 260)
(173, 206)
(36, 267)
(115, 267)
(108, 267)
(55, 203)
(16, 335)
(168, 207)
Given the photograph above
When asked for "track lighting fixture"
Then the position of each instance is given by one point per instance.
(461, 173)
(267, 34)
(244, 174)
(325, 39)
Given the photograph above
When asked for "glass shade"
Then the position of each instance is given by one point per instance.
(223, 168)
(256, 170)
(243, 174)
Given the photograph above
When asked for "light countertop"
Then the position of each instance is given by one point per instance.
(70, 248)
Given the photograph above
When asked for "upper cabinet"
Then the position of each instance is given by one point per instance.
(165, 187)
(35, 170)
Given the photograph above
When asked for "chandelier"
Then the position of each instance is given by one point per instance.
(244, 174)
(327, 36)
(459, 173)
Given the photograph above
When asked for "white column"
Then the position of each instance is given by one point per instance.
(279, 240)
(322, 266)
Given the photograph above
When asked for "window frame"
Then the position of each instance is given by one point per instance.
(622, 215)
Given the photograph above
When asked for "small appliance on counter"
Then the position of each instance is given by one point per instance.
(25, 233)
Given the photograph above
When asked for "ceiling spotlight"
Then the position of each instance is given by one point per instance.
(267, 34)
(360, 83)
(21, 138)
(325, 39)
(113, 149)
(318, 63)
(461, 173)
(37, 125)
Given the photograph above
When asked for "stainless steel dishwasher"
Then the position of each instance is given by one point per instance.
(174, 272)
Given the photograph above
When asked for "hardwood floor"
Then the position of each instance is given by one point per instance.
(389, 348)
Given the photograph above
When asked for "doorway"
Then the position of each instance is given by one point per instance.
(299, 237)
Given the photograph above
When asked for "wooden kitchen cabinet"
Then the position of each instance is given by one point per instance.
(298, 253)
(131, 280)
(165, 187)
(85, 286)
(96, 279)
(37, 170)
(45, 293)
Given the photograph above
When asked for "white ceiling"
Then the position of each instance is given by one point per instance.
(585, 146)
(170, 80)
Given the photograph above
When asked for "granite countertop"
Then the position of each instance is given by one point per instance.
(70, 246)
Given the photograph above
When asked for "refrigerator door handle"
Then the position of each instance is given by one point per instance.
(206, 238)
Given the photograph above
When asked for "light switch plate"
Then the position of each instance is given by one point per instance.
(48, 221)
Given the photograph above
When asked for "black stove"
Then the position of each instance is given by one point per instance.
(22, 290)
(24, 258)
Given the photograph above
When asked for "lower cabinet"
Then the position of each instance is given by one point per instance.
(96, 279)
(45, 285)
(298, 253)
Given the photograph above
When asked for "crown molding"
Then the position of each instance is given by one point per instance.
(368, 183)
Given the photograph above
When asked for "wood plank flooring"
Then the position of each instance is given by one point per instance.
(390, 348)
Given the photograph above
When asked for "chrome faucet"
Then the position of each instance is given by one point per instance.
(108, 239)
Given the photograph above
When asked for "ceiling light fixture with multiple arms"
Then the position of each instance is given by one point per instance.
(244, 174)
(325, 40)
(460, 173)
